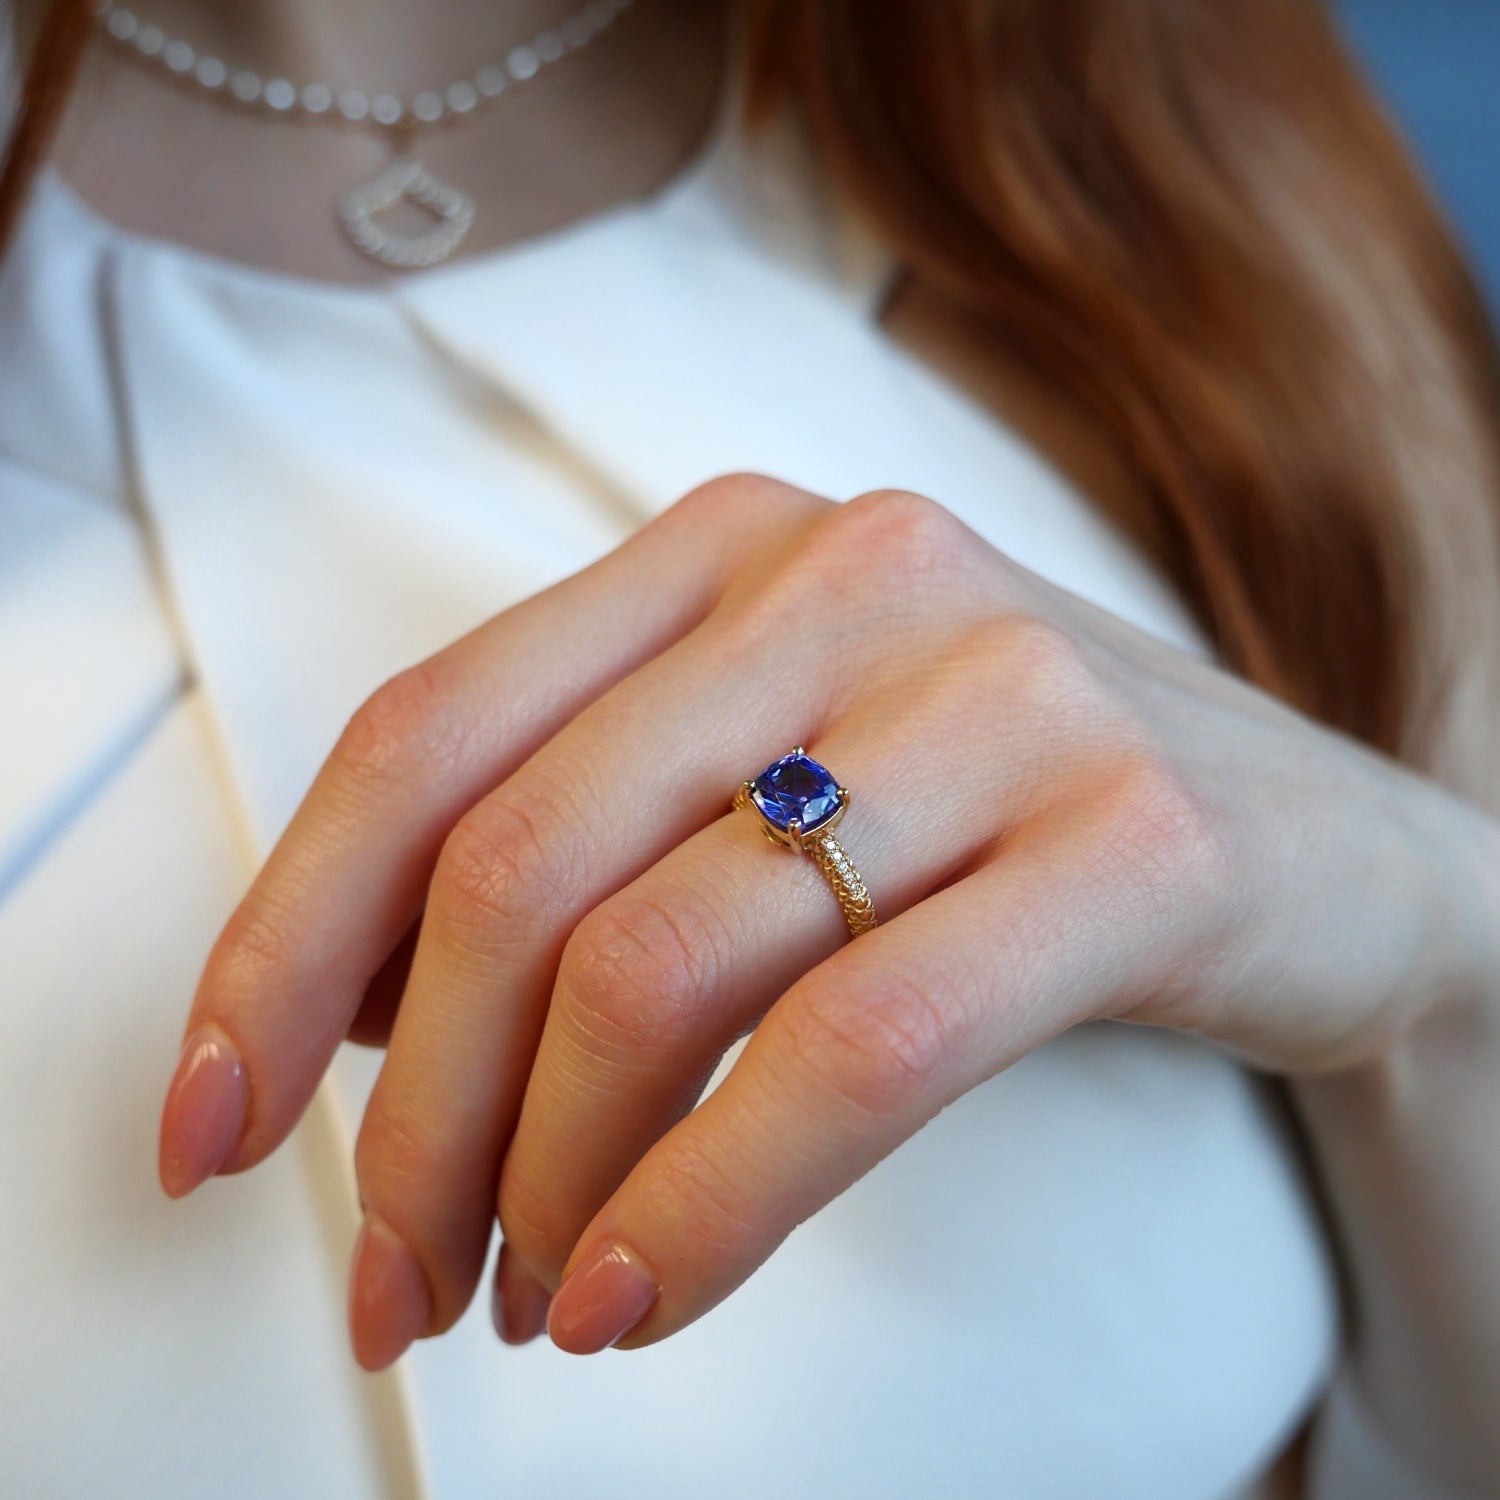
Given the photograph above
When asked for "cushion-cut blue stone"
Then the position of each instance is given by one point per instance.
(796, 788)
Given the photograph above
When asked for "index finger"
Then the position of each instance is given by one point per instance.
(348, 877)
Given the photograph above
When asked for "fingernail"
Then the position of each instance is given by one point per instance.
(520, 1303)
(389, 1304)
(204, 1113)
(601, 1301)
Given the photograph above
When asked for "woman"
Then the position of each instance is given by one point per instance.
(1110, 528)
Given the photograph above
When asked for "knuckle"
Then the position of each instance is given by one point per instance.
(1040, 664)
(502, 861)
(708, 1207)
(532, 1220)
(746, 505)
(903, 513)
(393, 1152)
(1027, 670)
(406, 722)
(880, 558)
(879, 1047)
(739, 491)
(1165, 830)
(636, 970)
(256, 952)
(903, 533)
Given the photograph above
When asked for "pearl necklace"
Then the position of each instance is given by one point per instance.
(404, 178)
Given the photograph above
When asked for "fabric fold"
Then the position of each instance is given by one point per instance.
(87, 663)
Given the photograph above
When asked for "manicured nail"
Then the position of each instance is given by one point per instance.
(389, 1304)
(204, 1113)
(520, 1303)
(601, 1301)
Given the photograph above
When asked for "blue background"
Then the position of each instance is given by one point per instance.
(1437, 64)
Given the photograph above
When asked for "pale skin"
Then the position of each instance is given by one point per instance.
(1109, 829)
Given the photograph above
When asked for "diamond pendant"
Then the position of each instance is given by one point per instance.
(406, 180)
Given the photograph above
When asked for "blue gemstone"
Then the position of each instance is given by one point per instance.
(796, 789)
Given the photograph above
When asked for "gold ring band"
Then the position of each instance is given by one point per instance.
(798, 802)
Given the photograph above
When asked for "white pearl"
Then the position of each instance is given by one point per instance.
(122, 25)
(387, 110)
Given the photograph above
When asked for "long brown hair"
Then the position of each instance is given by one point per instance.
(1191, 216)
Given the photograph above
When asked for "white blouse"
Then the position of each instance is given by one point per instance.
(232, 502)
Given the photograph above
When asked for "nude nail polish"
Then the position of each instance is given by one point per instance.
(389, 1304)
(601, 1301)
(520, 1301)
(204, 1114)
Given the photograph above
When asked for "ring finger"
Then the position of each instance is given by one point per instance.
(945, 763)
(660, 979)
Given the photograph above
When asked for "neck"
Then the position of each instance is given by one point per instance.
(611, 123)
(374, 45)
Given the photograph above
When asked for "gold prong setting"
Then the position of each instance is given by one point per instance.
(782, 796)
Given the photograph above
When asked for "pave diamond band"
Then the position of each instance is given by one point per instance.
(798, 802)
(854, 899)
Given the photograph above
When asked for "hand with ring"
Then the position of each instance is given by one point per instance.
(523, 867)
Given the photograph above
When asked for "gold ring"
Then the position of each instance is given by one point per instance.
(799, 803)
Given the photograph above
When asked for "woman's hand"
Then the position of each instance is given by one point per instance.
(522, 850)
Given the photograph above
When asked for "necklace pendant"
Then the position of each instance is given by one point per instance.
(406, 180)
